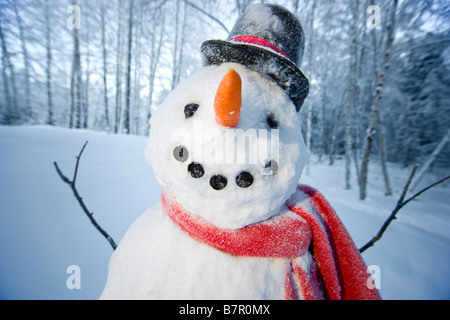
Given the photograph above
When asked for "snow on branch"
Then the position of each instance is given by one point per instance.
(89, 214)
(400, 204)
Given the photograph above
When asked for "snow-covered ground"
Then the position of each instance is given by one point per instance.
(43, 230)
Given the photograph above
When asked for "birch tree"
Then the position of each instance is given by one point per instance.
(48, 42)
(27, 111)
(182, 43)
(350, 97)
(103, 11)
(86, 83)
(126, 123)
(10, 114)
(322, 124)
(357, 101)
(310, 67)
(118, 106)
(338, 113)
(137, 71)
(76, 85)
(377, 100)
(175, 47)
(5, 111)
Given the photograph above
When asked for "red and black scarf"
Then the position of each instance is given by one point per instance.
(338, 270)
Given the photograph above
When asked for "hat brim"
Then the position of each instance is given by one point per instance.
(286, 73)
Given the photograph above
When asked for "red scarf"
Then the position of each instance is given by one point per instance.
(338, 270)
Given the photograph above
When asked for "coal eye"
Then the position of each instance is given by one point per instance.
(180, 153)
(190, 109)
(272, 120)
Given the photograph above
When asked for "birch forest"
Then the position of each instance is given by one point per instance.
(379, 71)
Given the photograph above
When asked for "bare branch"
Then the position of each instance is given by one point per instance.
(400, 204)
(63, 177)
(207, 14)
(425, 189)
(89, 214)
(406, 187)
(76, 165)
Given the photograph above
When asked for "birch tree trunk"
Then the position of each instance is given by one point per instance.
(5, 112)
(376, 103)
(175, 47)
(11, 115)
(118, 107)
(48, 36)
(387, 185)
(182, 40)
(310, 67)
(333, 138)
(85, 104)
(322, 125)
(105, 68)
(350, 101)
(356, 108)
(76, 81)
(137, 73)
(27, 111)
(72, 97)
(126, 114)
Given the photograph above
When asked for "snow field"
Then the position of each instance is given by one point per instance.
(43, 230)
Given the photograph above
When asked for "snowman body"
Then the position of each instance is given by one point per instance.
(157, 259)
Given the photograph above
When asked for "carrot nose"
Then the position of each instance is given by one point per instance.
(228, 100)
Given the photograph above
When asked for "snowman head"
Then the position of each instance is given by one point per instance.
(227, 142)
(235, 166)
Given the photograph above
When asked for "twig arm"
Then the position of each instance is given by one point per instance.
(61, 175)
(76, 165)
(425, 189)
(89, 214)
(400, 204)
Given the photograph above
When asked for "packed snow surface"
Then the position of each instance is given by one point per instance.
(43, 230)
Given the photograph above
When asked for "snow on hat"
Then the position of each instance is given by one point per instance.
(268, 39)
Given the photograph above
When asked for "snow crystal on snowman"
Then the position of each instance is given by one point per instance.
(233, 223)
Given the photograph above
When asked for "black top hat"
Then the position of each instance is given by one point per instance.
(268, 39)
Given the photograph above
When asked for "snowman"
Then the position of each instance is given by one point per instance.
(233, 222)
